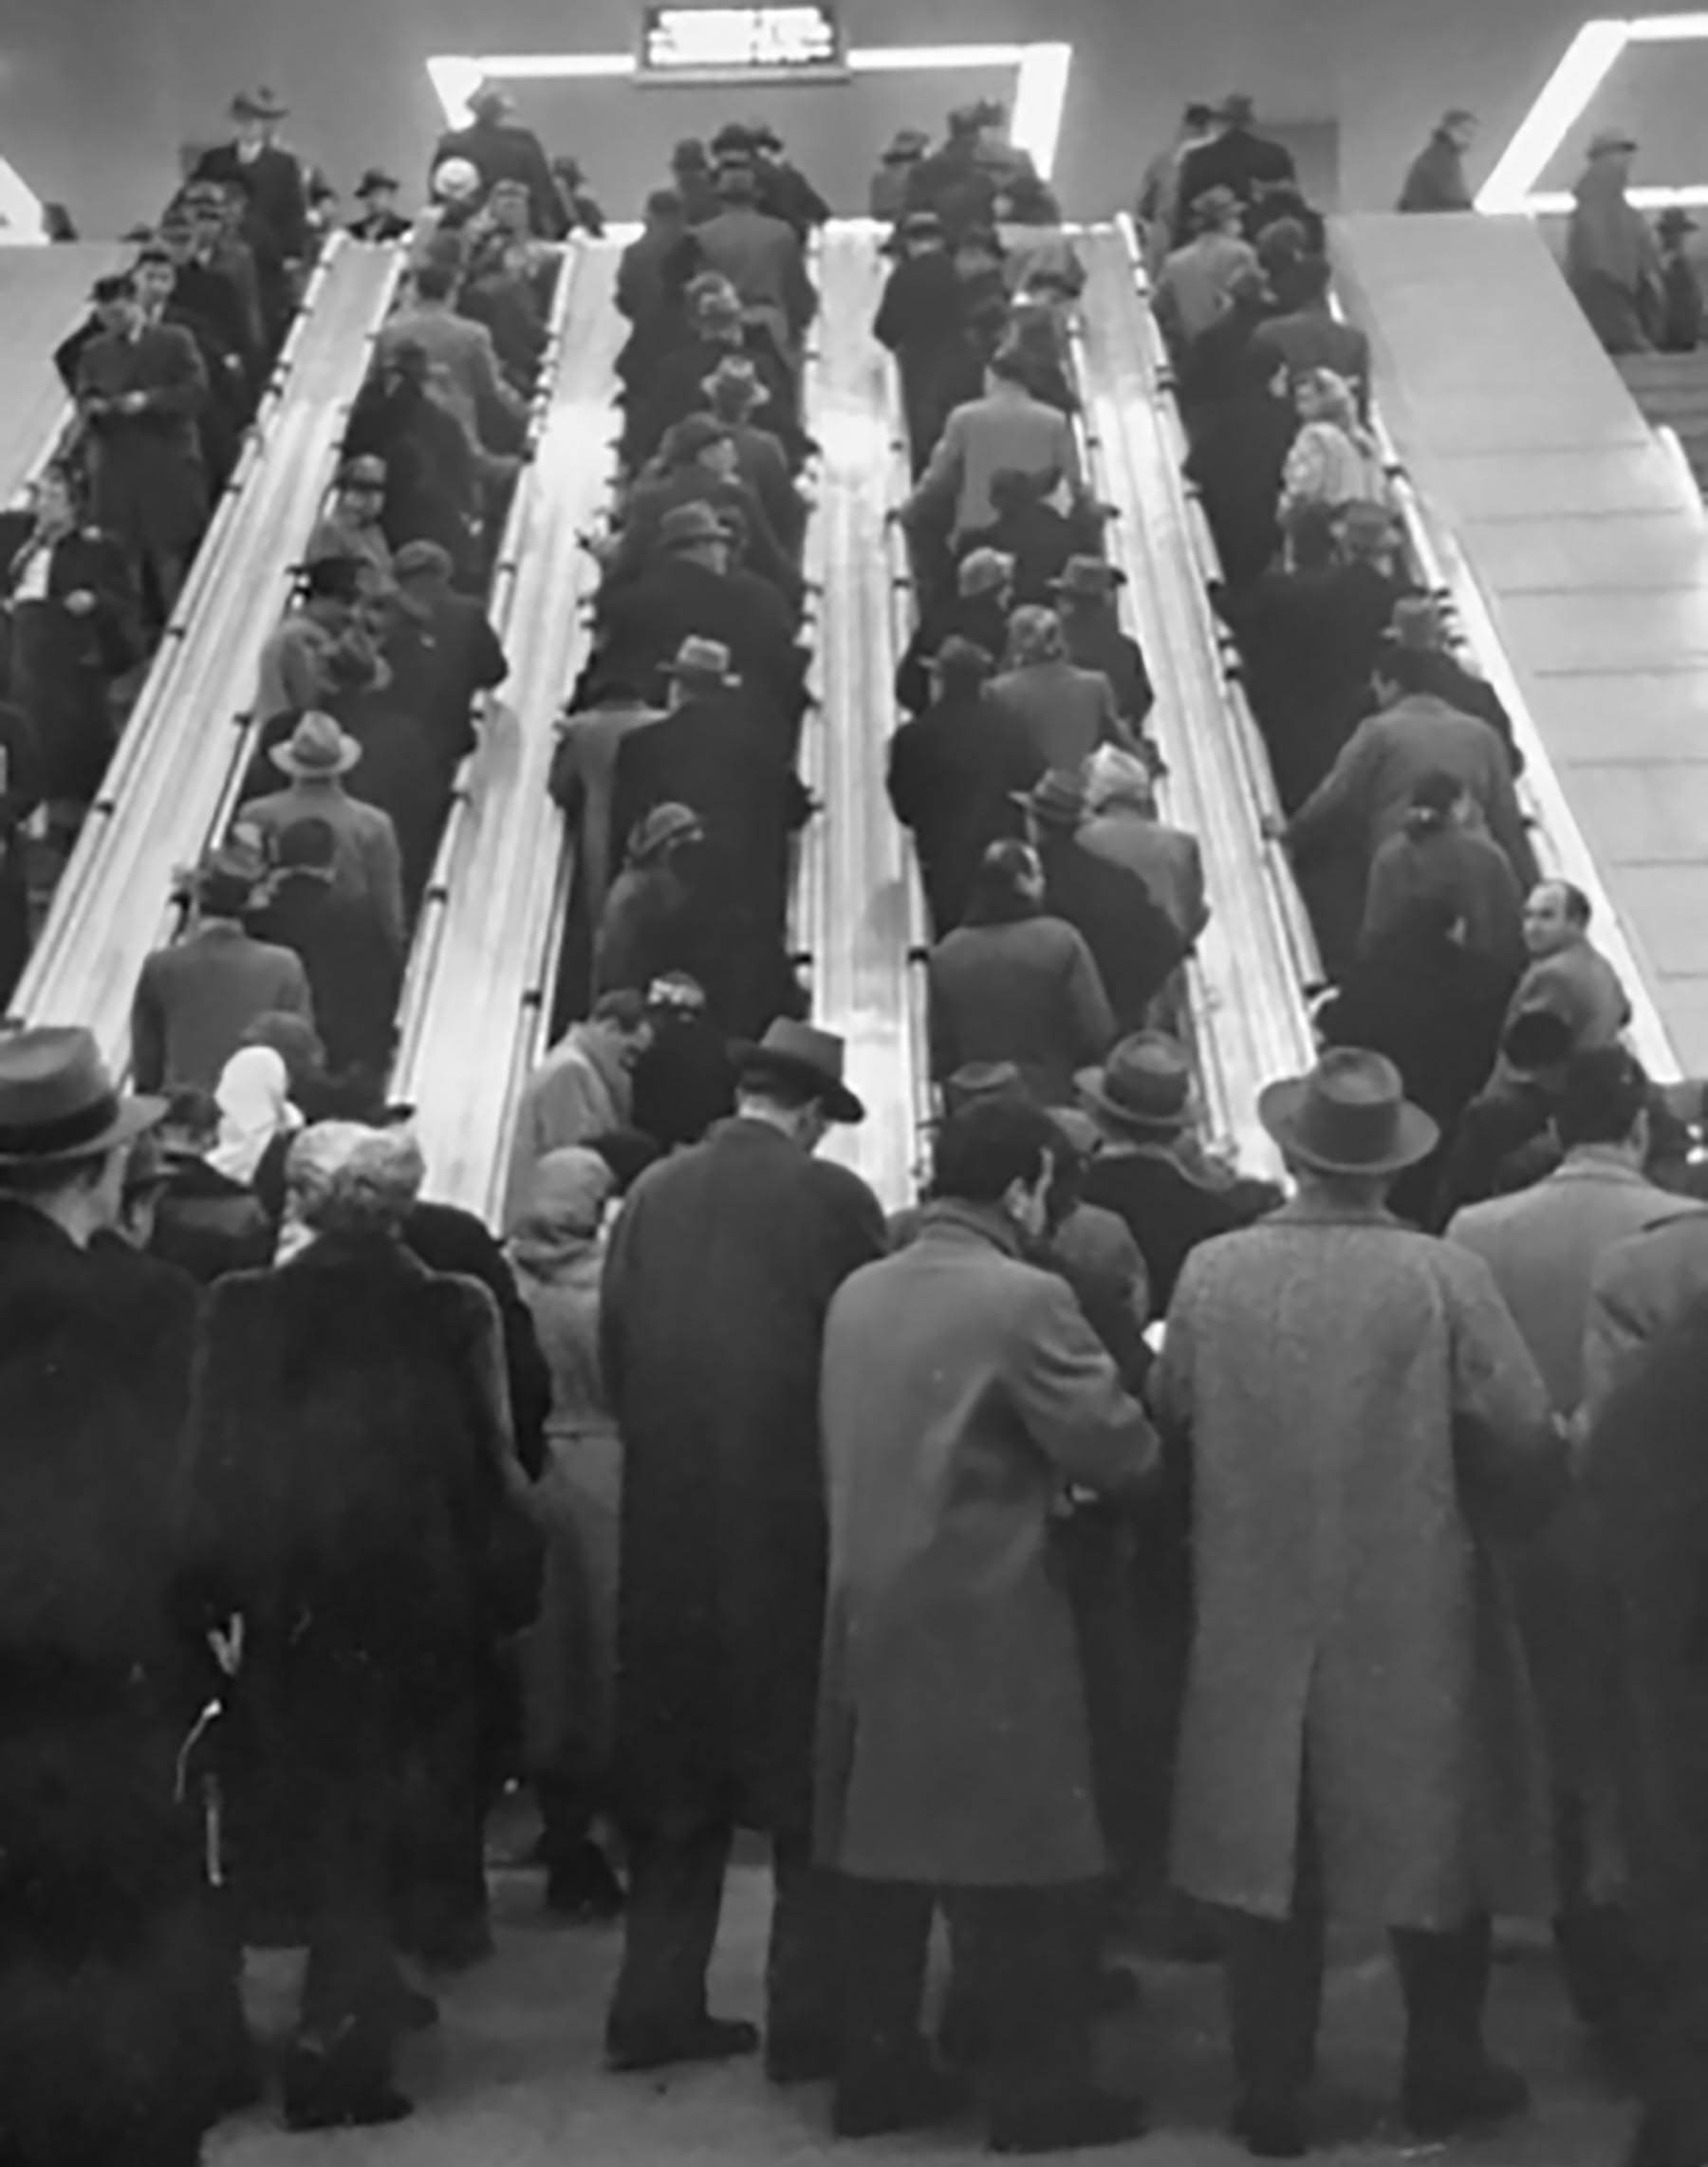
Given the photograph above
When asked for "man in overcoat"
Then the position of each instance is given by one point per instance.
(1357, 1408)
(140, 388)
(963, 1392)
(721, 1272)
(101, 2051)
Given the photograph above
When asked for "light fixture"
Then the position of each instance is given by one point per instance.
(1587, 62)
(1040, 88)
(20, 210)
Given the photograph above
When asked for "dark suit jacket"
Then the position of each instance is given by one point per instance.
(1134, 943)
(194, 1001)
(501, 152)
(952, 775)
(1169, 1212)
(84, 561)
(447, 1239)
(1237, 160)
(354, 973)
(644, 622)
(277, 225)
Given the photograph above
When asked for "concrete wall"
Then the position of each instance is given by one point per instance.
(95, 94)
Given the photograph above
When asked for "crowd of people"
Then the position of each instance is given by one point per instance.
(706, 1498)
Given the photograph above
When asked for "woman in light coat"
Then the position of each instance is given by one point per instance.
(558, 1257)
(1334, 461)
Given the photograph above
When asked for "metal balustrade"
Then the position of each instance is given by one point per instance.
(187, 739)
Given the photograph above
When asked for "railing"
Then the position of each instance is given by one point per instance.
(187, 741)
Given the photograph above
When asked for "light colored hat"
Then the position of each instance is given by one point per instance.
(983, 572)
(316, 750)
(665, 826)
(1144, 1086)
(702, 662)
(456, 180)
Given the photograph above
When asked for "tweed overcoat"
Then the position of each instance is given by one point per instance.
(719, 1273)
(964, 1389)
(1357, 1402)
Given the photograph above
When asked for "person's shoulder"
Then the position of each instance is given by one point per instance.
(1677, 1240)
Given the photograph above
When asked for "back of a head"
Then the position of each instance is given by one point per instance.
(622, 1011)
(307, 846)
(962, 668)
(1434, 798)
(435, 277)
(1312, 276)
(346, 1179)
(1001, 886)
(629, 1152)
(983, 1150)
(1605, 1092)
(665, 206)
(1407, 670)
(1035, 636)
(1009, 366)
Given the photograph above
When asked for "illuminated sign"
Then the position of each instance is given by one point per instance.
(792, 43)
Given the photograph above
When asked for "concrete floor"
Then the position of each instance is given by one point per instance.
(512, 2076)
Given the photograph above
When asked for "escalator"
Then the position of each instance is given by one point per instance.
(1256, 959)
(860, 920)
(184, 749)
(477, 1006)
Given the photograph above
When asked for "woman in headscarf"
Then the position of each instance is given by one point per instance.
(1612, 263)
(558, 1257)
(253, 1099)
(1334, 461)
(349, 1458)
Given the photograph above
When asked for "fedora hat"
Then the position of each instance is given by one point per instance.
(376, 181)
(664, 827)
(805, 1056)
(736, 381)
(316, 749)
(906, 145)
(57, 1103)
(1675, 219)
(262, 105)
(1056, 799)
(1213, 206)
(975, 1080)
(1146, 1085)
(1091, 578)
(1349, 1114)
(702, 662)
(690, 527)
(225, 880)
(1607, 140)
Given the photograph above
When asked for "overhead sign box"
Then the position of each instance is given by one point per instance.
(800, 42)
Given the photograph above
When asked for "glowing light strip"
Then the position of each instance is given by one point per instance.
(1040, 92)
(1584, 66)
(20, 211)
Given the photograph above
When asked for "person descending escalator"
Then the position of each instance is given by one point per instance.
(499, 148)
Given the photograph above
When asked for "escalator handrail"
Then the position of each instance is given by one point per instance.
(429, 931)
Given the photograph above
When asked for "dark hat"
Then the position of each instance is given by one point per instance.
(1236, 109)
(1213, 206)
(1417, 623)
(806, 1057)
(661, 830)
(226, 881)
(689, 156)
(374, 180)
(490, 103)
(116, 285)
(417, 557)
(977, 1081)
(693, 434)
(1056, 800)
(262, 105)
(316, 750)
(923, 224)
(733, 138)
(1438, 792)
(1675, 219)
(57, 1103)
(1093, 578)
(963, 656)
(908, 145)
(690, 526)
(736, 381)
(701, 661)
(1349, 1114)
(334, 578)
(1145, 1084)
(1608, 139)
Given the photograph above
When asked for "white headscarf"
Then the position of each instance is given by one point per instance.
(255, 1105)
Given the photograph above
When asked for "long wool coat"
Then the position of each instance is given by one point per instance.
(719, 1274)
(1356, 1398)
(148, 485)
(964, 1389)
